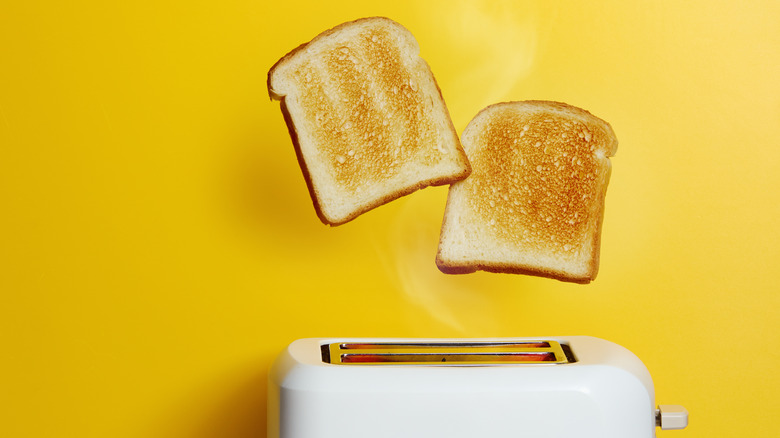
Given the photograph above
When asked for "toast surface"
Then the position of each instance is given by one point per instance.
(366, 117)
(534, 203)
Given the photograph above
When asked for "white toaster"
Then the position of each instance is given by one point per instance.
(426, 388)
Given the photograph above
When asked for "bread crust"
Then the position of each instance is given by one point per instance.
(499, 268)
(468, 263)
(294, 131)
(321, 36)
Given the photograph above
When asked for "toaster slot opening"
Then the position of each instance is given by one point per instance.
(447, 358)
(423, 345)
(446, 353)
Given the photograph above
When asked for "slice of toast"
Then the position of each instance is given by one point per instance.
(367, 119)
(534, 203)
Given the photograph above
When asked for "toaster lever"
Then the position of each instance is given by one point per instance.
(671, 417)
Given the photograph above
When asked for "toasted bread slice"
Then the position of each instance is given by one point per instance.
(534, 203)
(366, 117)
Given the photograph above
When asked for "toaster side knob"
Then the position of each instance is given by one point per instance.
(671, 417)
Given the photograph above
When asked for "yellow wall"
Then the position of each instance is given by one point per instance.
(158, 246)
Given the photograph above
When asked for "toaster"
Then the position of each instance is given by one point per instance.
(513, 387)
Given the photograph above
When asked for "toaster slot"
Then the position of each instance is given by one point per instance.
(447, 357)
(446, 353)
(422, 345)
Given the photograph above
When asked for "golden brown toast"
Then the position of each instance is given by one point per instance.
(366, 117)
(534, 203)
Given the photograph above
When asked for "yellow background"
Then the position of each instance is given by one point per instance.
(158, 246)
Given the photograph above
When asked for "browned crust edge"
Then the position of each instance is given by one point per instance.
(560, 106)
(302, 163)
(501, 269)
(322, 35)
(289, 54)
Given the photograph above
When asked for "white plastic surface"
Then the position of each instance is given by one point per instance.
(607, 393)
(673, 417)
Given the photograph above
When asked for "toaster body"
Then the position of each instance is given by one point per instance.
(520, 387)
